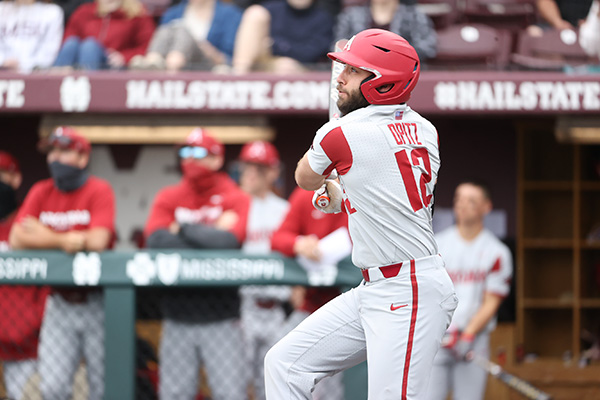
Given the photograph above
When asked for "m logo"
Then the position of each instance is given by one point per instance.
(87, 269)
(75, 93)
(324, 276)
(168, 267)
(141, 269)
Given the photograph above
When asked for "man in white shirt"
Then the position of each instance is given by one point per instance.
(480, 266)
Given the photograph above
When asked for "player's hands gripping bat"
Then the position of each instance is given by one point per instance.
(328, 198)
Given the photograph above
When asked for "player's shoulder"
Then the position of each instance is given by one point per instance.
(99, 183)
(448, 234)
(42, 189)
(494, 242)
(277, 201)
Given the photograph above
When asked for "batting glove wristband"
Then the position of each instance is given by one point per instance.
(463, 348)
(328, 198)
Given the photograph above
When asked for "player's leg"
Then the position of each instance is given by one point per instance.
(178, 361)
(93, 344)
(222, 349)
(329, 340)
(470, 379)
(16, 375)
(440, 380)
(330, 388)
(405, 319)
(59, 351)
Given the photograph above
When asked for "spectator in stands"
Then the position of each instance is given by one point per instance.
(30, 34)
(194, 34)
(21, 307)
(561, 14)
(205, 210)
(73, 212)
(262, 305)
(405, 20)
(105, 33)
(282, 37)
(589, 32)
(299, 236)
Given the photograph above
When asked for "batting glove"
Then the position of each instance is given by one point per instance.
(328, 198)
(463, 348)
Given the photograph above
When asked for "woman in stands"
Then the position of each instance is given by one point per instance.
(105, 34)
(194, 34)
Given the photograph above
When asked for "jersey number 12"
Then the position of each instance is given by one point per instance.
(422, 199)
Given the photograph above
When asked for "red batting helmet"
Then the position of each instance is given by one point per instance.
(260, 152)
(201, 138)
(389, 57)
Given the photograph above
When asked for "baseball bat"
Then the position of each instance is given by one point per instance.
(336, 69)
(334, 112)
(523, 387)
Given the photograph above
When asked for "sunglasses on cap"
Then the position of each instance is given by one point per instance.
(60, 141)
(193, 152)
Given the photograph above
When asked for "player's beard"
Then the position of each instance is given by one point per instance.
(354, 101)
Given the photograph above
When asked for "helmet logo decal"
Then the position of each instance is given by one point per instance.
(349, 43)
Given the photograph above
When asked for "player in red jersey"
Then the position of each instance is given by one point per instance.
(206, 210)
(21, 307)
(72, 211)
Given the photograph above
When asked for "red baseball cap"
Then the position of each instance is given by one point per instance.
(65, 137)
(8, 162)
(201, 138)
(260, 152)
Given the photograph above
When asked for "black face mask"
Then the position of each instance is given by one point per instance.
(66, 177)
(8, 200)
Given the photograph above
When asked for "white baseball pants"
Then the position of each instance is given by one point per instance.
(396, 324)
(70, 331)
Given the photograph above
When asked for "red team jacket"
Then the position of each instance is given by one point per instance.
(183, 204)
(90, 206)
(116, 31)
(303, 219)
(21, 311)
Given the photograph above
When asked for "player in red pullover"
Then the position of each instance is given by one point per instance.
(201, 326)
(21, 307)
(299, 235)
(74, 212)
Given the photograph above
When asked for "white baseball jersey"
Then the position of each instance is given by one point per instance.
(481, 265)
(388, 161)
(264, 218)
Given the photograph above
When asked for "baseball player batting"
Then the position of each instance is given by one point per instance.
(387, 159)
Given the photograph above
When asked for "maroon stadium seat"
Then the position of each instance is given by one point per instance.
(472, 46)
(513, 15)
(554, 50)
(443, 13)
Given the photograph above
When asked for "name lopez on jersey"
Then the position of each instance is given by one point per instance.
(65, 220)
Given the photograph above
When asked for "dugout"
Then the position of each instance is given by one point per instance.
(534, 137)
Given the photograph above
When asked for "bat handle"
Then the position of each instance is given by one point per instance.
(322, 201)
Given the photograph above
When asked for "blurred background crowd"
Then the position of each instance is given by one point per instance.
(288, 36)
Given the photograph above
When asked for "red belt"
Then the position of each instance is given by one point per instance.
(389, 271)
